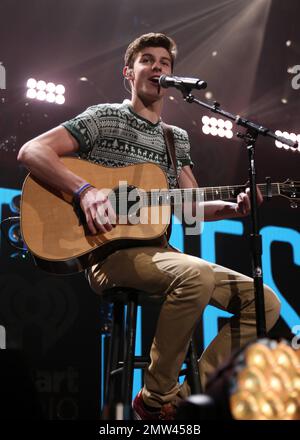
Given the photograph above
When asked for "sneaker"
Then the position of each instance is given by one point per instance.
(140, 412)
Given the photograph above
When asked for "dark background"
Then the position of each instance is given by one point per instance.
(239, 47)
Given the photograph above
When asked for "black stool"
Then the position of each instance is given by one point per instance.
(120, 364)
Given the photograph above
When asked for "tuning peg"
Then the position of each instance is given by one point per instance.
(294, 204)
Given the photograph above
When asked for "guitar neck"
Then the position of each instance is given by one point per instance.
(227, 193)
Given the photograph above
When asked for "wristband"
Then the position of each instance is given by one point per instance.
(80, 190)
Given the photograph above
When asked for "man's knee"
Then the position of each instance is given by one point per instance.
(272, 307)
(197, 274)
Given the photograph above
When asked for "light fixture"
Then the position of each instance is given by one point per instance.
(217, 127)
(265, 382)
(43, 91)
(291, 136)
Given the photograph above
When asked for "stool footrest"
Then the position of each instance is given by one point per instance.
(136, 364)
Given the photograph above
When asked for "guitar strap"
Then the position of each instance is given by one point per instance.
(170, 143)
(169, 140)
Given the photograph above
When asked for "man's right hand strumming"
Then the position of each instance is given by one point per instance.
(99, 213)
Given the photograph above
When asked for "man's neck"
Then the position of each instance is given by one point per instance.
(150, 111)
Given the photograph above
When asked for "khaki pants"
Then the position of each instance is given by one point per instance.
(188, 284)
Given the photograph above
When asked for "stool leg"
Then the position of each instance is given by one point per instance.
(194, 374)
(114, 352)
(127, 377)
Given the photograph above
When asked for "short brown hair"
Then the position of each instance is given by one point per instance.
(150, 40)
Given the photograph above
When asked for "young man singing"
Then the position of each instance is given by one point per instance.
(117, 135)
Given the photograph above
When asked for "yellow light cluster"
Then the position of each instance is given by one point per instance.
(267, 383)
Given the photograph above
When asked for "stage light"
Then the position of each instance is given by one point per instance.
(214, 131)
(221, 132)
(228, 134)
(43, 91)
(205, 120)
(260, 382)
(41, 95)
(60, 99)
(213, 122)
(31, 83)
(288, 43)
(31, 93)
(265, 382)
(292, 136)
(50, 97)
(41, 85)
(60, 89)
(217, 127)
(206, 129)
(228, 125)
(50, 87)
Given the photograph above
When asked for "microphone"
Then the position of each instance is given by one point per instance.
(181, 83)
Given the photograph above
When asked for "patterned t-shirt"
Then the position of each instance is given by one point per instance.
(114, 136)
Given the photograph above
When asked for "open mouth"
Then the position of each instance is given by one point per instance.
(154, 79)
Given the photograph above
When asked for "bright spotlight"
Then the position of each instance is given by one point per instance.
(41, 85)
(43, 91)
(291, 136)
(228, 125)
(208, 95)
(217, 127)
(31, 93)
(41, 95)
(50, 97)
(206, 129)
(59, 89)
(31, 83)
(50, 87)
(267, 383)
(60, 99)
(214, 131)
(260, 382)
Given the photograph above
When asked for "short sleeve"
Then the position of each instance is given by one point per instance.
(85, 128)
(183, 148)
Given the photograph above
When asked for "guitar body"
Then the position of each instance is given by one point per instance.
(59, 242)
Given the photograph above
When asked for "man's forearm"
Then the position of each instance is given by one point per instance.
(46, 165)
(211, 211)
(218, 210)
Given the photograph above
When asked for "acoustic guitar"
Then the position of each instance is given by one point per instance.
(57, 237)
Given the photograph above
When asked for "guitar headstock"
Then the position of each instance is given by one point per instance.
(291, 190)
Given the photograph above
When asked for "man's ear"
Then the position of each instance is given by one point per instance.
(128, 72)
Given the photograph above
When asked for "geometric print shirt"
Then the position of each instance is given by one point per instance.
(114, 135)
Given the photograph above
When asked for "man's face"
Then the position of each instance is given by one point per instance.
(150, 63)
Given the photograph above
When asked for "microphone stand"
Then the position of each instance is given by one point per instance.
(250, 137)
